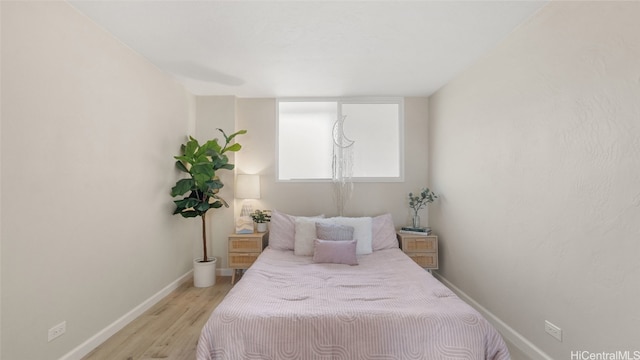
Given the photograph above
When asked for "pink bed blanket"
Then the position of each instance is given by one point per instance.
(387, 307)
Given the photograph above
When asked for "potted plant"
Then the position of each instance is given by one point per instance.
(199, 191)
(417, 202)
(261, 217)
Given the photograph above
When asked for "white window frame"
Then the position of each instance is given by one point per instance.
(340, 101)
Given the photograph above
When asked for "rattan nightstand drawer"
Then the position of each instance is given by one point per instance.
(245, 245)
(242, 260)
(425, 260)
(420, 244)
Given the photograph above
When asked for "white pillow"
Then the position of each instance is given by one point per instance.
(305, 234)
(282, 230)
(362, 232)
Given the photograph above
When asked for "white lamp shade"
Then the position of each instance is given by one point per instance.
(248, 186)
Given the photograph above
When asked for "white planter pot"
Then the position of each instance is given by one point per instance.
(204, 273)
(261, 227)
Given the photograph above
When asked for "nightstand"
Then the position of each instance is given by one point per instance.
(423, 249)
(244, 249)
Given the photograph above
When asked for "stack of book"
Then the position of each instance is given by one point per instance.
(415, 230)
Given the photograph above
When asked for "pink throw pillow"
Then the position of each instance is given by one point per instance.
(384, 233)
(335, 252)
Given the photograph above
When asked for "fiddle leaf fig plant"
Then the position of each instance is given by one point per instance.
(199, 190)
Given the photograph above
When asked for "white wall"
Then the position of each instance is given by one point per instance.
(258, 117)
(89, 129)
(0, 197)
(536, 152)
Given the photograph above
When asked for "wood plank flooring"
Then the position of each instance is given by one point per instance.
(170, 329)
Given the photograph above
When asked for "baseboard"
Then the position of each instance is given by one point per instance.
(526, 346)
(97, 339)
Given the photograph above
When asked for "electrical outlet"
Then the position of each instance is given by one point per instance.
(57, 330)
(553, 330)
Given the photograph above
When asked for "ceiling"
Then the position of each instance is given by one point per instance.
(311, 48)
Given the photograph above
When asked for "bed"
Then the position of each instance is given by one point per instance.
(286, 306)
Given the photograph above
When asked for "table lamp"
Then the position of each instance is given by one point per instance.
(247, 188)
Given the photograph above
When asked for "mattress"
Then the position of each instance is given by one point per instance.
(387, 307)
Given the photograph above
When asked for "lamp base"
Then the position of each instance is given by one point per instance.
(244, 225)
(247, 208)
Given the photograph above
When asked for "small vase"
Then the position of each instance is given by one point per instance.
(261, 227)
(416, 221)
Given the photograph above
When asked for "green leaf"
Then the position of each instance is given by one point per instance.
(217, 205)
(203, 207)
(201, 181)
(227, 166)
(189, 214)
(184, 158)
(230, 137)
(181, 167)
(192, 146)
(214, 184)
(220, 159)
(220, 162)
(204, 169)
(210, 147)
(186, 203)
(182, 186)
(234, 147)
(218, 198)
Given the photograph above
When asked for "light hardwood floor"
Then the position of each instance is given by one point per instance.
(170, 329)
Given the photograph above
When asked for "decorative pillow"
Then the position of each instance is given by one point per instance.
(328, 231)
(384, 233)
(335, 252)
(361, 232)
(305, 233)
(282, 230)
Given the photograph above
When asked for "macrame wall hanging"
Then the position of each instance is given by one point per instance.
(342, 166)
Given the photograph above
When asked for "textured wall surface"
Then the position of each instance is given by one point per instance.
(536, 152)
(89, 130)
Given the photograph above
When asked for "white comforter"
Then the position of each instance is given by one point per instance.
(387, 307)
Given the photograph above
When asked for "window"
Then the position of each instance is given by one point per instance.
(369, 139)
